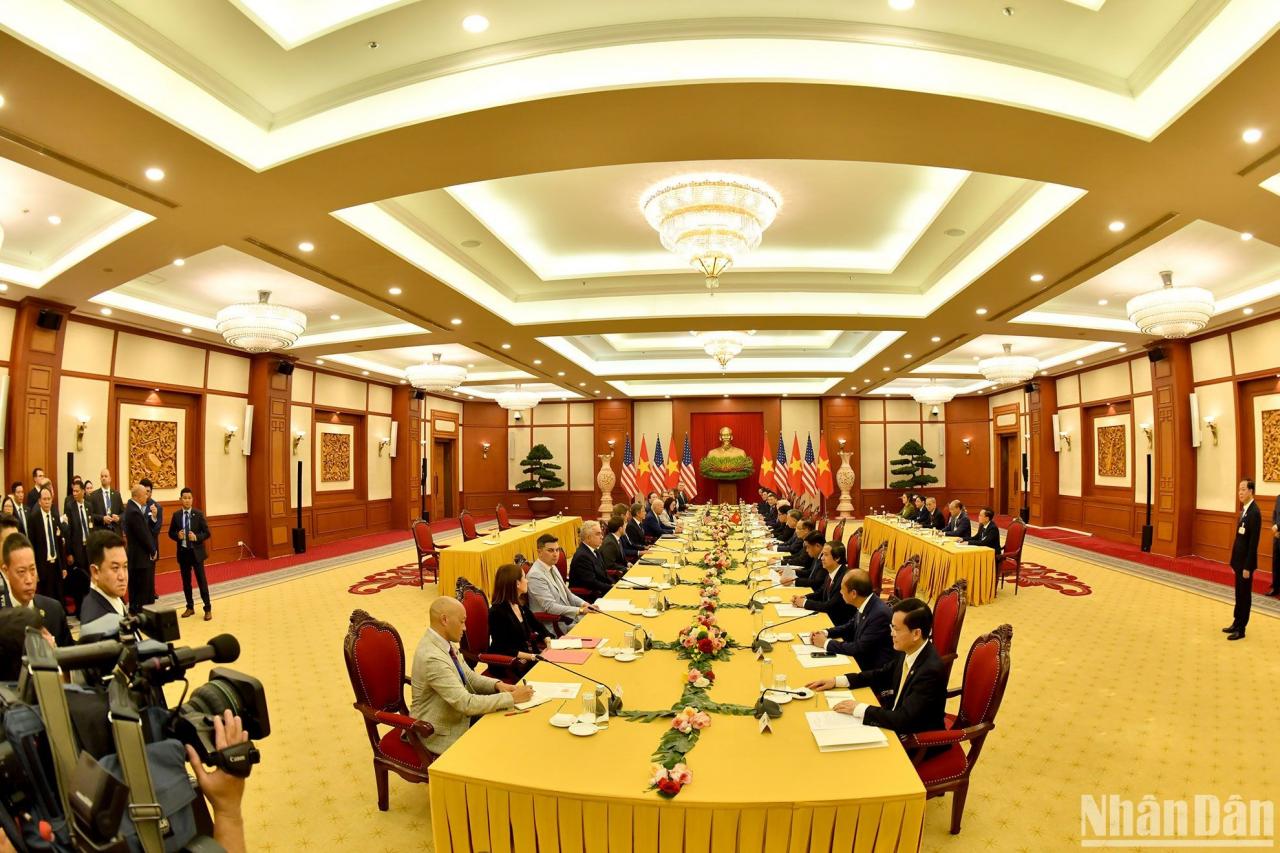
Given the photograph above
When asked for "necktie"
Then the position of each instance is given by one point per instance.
(48, 527)
(902, 682)
(84, 523)
(454, 657)
(106, 502)
(186, 526)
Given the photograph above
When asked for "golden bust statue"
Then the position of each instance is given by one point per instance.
(726, 450)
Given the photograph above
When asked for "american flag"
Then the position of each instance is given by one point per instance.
(688, 477)
(780, 464)
(628, 469)
(810, 471)
(659, 466)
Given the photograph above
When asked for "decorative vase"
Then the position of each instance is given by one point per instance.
(845, 480)
(605, 478)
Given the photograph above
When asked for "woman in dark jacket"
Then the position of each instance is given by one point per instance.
(512, 629)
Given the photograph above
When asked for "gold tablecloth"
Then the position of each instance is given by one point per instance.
(943, 561)
(478, 559)
(515, 783)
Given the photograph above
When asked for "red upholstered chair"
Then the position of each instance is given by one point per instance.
(375, 663)
(475, 640)
(554, 625)
(562, 566)
(853, 549)
(948, 621)
(942, 763)
(875, 568)
(428, 552)
(1010, 562)
(504, 520)
(837, 534)
(906, 580)
(468, 524)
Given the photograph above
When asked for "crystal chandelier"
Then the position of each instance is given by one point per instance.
(722, 346)
(933, 394)
(435, 376)
(518, 400)
(1008, 369)
(260, 326)
(710, 220)
(1171, 312)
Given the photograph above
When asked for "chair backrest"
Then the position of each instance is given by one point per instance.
(375, 663)
(468, 524)
(948, 620)
(853, 549)
(1013, 540)
(504, 520)
(907, 578)
(562, 565)
(837, 535)
(946, 513)
(876, 567)
(422, 539)
(986, 673)
(463, 586)
(475, 640)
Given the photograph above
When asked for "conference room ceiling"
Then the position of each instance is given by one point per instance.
(947, 174)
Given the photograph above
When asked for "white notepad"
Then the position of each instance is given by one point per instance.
(564, 643)
(545, 691)
(614, 605)
(786, 611)
(838, 732)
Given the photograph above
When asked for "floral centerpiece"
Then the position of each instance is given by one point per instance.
(726, 467)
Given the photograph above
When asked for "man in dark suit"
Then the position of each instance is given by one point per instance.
(935, 518)
(78, 527)
(635, 533)
(612, 553)
(987, 533)
(1275, 550)
(959, 524)
(921, 515)
(38, 480)
(155, 512)
(865, 637)
(50, 547)
(914, 678)
(108, 577)
(782, 529)
(20, 579)
(653, 526)
(1244, 558)
(586, 569)
(18, 492)
(140, 549)
(794, 548)
(809, 570)
(190, 530)
(826, 597)
(106, 504)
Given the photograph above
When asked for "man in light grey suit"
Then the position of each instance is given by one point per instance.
(447, 693)
(548, 591)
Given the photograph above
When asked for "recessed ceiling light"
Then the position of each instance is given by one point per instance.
(537, 361)
(335, 316)
(954, 232)
(154, 174)
(55, 219)
(475, 23)
(1116, 225)
(901, 5)
(936, 339)
(1248, 311)
(726, 396)
(668, 396)
(364, 373)
(179, 262)
(306, 246)
(597, 391)
(1102, 301)
(469, 397)
(3, 287)
(1251, 135)
(582, 385)
(186, 330)
(1037, 277)
(977, 358)
(610, 397)
(906, 355)
(105, 312)
(319, 361)
(457, 321)
(1079, 361)
(981, 312)
(1246, 236)
(1, 100)
(404, 381)
(841, 394)
(470, 244)
(394, 291)
(1124, 349)
(506, 346)
(469, 366)
(1043, 372)
(559, 373)
(866, 381)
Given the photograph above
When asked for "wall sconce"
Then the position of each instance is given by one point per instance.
(1146, 430)
(1066, 439)
(81, 425)
(612, 442)
(968, 445)
(934, 412)
(841, 442)
(1211, 421)
(228, 434)
(298, 435)
(484, 449)
(383, 444)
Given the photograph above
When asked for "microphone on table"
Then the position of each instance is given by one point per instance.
(766, 706)
(635, 585)
(615, 702)
(754, 606)
(646, 644)
(759, 645)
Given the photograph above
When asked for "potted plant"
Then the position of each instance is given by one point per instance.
(541, 472)
(913, 466)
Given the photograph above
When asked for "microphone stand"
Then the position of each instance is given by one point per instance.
(759, 645)
(646, 644)
(615, 703)
(635, 585)
(754, 606)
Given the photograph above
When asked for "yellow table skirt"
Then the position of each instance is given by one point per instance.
(478, 560)
(942, 561)
(515, 783)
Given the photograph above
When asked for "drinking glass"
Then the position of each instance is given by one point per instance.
(589, 702)
(629, 640)
(766, 673)
(757, 621)
(653, 601)
(780, 682)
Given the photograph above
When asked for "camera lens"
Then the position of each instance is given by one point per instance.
(214, 697)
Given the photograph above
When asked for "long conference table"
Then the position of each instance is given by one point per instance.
(479, 559)
(943, 560)
(516, 783)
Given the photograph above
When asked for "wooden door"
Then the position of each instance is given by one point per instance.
(1008, 476)
(443, 479)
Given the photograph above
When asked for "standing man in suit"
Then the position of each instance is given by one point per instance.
(38, 479)
(141, 550)
(155, 512)
(959, 524)
(1244, 558)
(79, 526)
(548, 592)
(586, 569)
(50, 548)
(915, 677)
(108, 577)
(21, 578)
(106, 504)
(987, 533)
(1275, 550)
(19, 494)
(190, 530)
(612, 551)
(866, 637)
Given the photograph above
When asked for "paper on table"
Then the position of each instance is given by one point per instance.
(545, 691)
(614, 605)
(564, 643)
(803, 648)
(810, 662)
(835, 697)
(567, 655)
(786, 611)
(834, 732)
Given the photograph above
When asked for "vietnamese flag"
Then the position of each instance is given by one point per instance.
(825, 480)
(766, 468)
(644, 484)
(795, 468)
(673, 465)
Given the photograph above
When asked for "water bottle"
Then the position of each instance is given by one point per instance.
(766, 673)
(602, 707)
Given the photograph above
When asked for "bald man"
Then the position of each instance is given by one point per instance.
(106, 506)
(141, 548)
(447, 693)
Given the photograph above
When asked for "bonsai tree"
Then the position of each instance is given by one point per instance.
(541, 471)
(913, 465)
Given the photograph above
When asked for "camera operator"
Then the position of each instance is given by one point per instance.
(223, 791)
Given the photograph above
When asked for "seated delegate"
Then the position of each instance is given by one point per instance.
(866, 637)
(512, 629)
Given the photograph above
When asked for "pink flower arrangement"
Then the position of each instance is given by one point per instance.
(707, 604)
(669, 782)
(706, 621)
(690, 719)
(700, 678)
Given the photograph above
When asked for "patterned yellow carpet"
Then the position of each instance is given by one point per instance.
(1131, 690)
